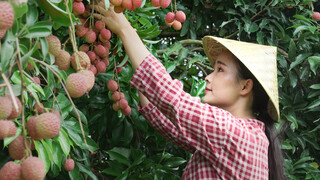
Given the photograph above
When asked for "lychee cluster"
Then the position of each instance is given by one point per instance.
(160, 3)
(95, 52)
(175, 19)
(6, 18)
(316, 16)
(121, 5)
(120, 103)
(30, 169)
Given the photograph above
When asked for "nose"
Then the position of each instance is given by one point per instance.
(208, 78)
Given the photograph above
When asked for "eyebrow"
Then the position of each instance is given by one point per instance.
(220, 62)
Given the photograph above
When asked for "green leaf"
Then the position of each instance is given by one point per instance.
(300, 17)
(25, 58)
(44, 47)
(8, 140)
(42, 154)
(314, 104)
(292, 50)
(112, 171)
(7, 49)
(120, 158)
(299, 59)
(174, 162)
(314, 62)
(64, 141)
(87, 171)
(171, 66)
(107, 4)
(38, 32)
(300, 28)
(32, 15)
(19, 10)
(128, 132)
(57, 154)
(315, 86)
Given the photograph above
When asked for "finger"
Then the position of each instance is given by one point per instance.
(98, 16)
(99, 9)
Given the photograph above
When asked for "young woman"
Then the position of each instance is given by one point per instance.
(230, 134)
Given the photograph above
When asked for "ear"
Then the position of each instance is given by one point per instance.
(247, 86)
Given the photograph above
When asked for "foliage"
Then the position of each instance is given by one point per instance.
(126, 147)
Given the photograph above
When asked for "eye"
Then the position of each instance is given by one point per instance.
(220, 69)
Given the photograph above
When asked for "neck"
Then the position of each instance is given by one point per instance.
(241, 109)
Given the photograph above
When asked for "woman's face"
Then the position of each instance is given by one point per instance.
(223, 85)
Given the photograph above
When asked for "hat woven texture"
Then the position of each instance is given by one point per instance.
(261, 60)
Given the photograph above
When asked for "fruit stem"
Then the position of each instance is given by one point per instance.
(74, 107)
(7, 83)
(19, 64)
(175, 5)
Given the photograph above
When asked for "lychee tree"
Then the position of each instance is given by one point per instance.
(78, 115)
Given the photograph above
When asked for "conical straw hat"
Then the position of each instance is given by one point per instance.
(261, 60)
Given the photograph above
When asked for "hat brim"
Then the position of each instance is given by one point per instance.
(214, 46)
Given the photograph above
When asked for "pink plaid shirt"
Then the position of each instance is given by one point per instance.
(223, 146)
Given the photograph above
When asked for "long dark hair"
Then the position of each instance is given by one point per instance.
(260, 100)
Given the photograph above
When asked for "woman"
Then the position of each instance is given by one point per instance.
(223, 133)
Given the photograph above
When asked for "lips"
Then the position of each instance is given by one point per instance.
(207, 90)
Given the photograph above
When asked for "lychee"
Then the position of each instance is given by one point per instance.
(31, 128)
(180, 16)
(90, 36)
(93, 69)
(11, 171)
(6, 15)
(38, 108)
(155, 3)
(33, 168)
(2, 33)
(136, 3)
(107, 44)
(90, 76)
(78, 8)
(5, 107)
(69, 164)
(115, 96)
(36, 80)
(54, 44)
(47, 125)
(81, 30)
(176, 25)
(100, 50)
(119, 69)
(112, 85)
(123, 103)
(30, 66)
(105, 34)
(99, 25)
(316, 16)
(116, 2)
(62, 60)
(116, 106)
(165, 3)
(14, 113)
(170, 17)
(118, 9)
(126, 111)
(106, 61)
(4, 130)
(92, 56)
(77, 85)
(12, 128)
(127, 4)
(17, 148)
(56, 112)
(101, 67)
(84, 48)
(83, 60)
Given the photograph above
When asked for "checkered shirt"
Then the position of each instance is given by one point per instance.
(223, 146)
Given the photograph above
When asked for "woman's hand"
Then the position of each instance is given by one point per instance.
(116, 22)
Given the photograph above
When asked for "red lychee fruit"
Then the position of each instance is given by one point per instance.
(112, 85)
(105, 34)
(6, 15)
(100, 50)
(56, 112)
(123, 103)
(170, 17)
(101, 67)
(155, 3)
(106, 61)
(78, 8)
(31, 128)
(126, 111)
(14, 113)
(11, 171)
(106, 54)
(122, 95)
(136, 3)
(84, 48)
(12, 128)
(316, 16)
(90, 76)
(180, 16)
(107, 44)
(54, 44)
(176, 25)
(99, 25)
(33, 168)
(17, 148)
(115, 96)
(119, 69)
(36, 80)
(118, 9)
(116, 2)
(77, 85)
(93, 69)
(38, 108)
(69, 164)
(83, 58)
(81, 30)
(47, 125)
(62, 60)
(4, 129)
(2, 33)
(165, 3)
(92, 56)
(127, 4)
(29, 66)
(116, 106)
(90, 36)
(5, 107)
